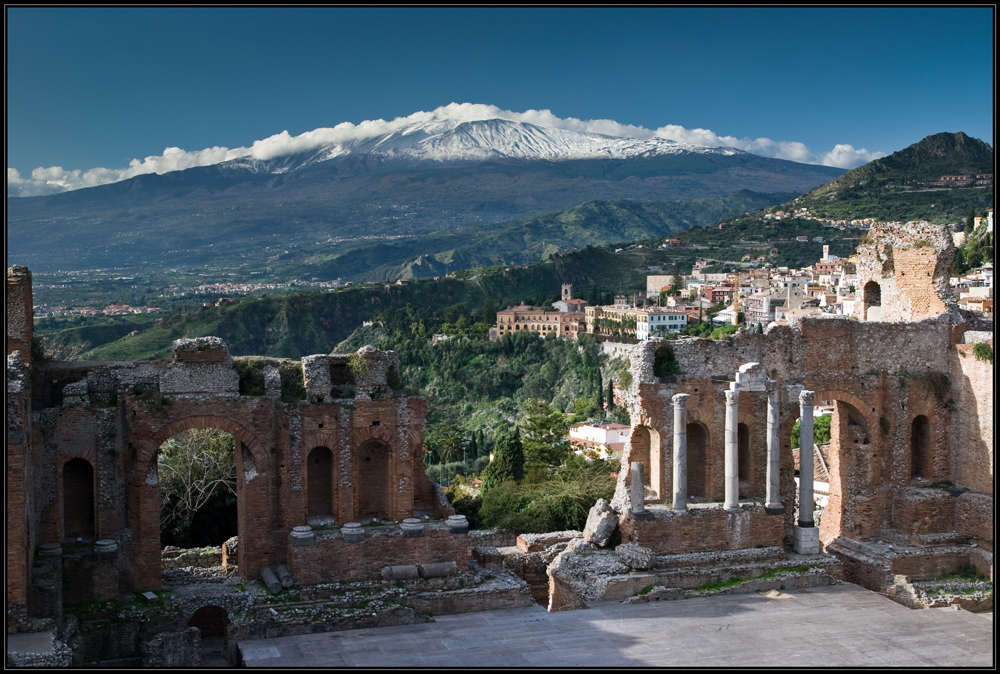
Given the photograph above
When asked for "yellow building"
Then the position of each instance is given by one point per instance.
(538, 321)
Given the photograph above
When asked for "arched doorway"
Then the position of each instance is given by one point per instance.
(374, 497)
(196, 471)
(854, 508)
(78, 501)
(697, 456)
(319, 486)
(872, 300)
(921, 462)
(213, 623)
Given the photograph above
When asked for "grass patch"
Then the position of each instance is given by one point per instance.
(644, 591)
(721, 585)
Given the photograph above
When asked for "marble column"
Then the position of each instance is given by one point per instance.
(680, 476)
(806, 399)
(732, 451)
(773, 503)
(637, 491)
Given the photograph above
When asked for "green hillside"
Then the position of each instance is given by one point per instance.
(898, 187)
(533, 239)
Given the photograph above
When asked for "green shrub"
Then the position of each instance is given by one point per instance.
(984, 352)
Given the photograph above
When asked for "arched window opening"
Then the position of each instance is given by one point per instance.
(78, 500)
(872, 298)
(319, 485)
(373, 480)
(697, 444)
(920, 448)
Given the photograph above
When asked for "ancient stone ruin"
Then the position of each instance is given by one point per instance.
(708, 479)
(709, 492)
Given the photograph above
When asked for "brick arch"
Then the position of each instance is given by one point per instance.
(366, 433)
(314, 439)
(869, 413)
(839, 518)
(148, 452)
(655, 459)
(700, 480)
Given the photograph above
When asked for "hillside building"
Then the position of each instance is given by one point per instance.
(538, 321)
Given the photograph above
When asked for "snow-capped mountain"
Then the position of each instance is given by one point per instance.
(451, 140)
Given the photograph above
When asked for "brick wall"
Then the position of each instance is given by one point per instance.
(703, 530)
(330, 558)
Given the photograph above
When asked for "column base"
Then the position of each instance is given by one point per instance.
(776, 510)
(644, 515)
(806, 540)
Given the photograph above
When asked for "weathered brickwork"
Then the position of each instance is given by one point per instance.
(912, 409)
(20, 319)
(329, 558)
(903, 272)
(703, 530)
(83, 465)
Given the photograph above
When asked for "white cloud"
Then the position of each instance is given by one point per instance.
(56, 179)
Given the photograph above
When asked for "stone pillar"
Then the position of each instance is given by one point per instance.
(638, 493)
(680, 476)
(806, 461)
(806, 533)
(772, 505)
(732, 451)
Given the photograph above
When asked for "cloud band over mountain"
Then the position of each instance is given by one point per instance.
(55, 179)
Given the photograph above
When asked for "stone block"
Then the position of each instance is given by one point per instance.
(601, 523)
(806, 541)
(635, 556)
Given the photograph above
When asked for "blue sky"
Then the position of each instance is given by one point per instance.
(96, 88)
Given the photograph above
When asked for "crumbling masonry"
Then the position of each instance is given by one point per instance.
(910, 457)
(82, 474)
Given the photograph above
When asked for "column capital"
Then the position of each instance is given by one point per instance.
(680, 399)
(732, 397)
(807, 397)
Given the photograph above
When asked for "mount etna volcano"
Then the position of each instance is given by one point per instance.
(321, 199)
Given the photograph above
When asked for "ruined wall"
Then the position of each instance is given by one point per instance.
(19, 313)
(330, 558)
(110, 420)
(704, 530)
(972, 453)
(881, 376)
(911, 264)
(21, 534)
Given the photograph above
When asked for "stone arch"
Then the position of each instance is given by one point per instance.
(211, 620)
(698, 444)
(921, 448)
(79, 517)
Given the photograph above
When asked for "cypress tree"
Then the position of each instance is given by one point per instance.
(507, 463)
(611, 395)
(600, 391)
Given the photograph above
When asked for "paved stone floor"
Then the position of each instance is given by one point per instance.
(838, 626)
